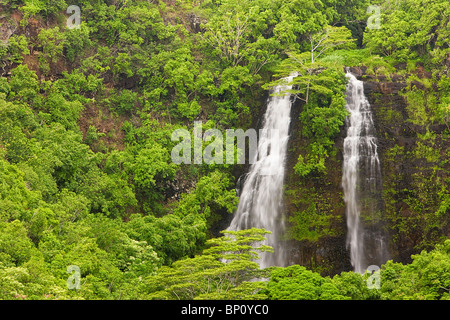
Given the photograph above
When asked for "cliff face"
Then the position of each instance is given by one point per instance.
(414, 155)
(324, 249)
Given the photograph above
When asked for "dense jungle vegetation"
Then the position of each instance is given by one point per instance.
(86, 120)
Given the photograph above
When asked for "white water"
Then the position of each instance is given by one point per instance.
(361, 170)
(260, 203)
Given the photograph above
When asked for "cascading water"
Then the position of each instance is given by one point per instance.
(261, 195)
(361, 180)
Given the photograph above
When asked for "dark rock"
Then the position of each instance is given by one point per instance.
(195, 23)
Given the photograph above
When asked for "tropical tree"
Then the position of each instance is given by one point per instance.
(222, 271)
(306, 66)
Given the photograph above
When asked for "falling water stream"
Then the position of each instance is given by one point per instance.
(260, 203)
(361, 180)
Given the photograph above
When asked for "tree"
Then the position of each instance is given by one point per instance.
(77, 40)
(172, 237)
(211, 198)
(16, 200)
(130, 256)
(354, 286)
(111, 195)
(307, 68)
(297, 283)
(62, 111)
(320, 85)
(16, 247)
(68, 157)
(426, 278)
(18, 119)
(151, 166)
(24, 85)
(52, 42)
(17, 47)
(225, 267)
(48, 7)
(229, 37)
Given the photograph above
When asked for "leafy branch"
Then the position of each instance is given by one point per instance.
(307, 65)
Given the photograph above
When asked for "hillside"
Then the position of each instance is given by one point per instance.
(95, 97)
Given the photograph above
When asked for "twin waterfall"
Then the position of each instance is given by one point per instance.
(260, 204)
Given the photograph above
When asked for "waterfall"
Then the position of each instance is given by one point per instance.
(361, 181)
(260, 202)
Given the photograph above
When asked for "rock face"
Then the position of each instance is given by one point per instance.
(413, 163)
(327, 254)
(415, 173)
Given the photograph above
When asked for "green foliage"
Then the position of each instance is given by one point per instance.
(109, 194)
(17, 47)
(442, 111)
(86, 176)
(320, 85)
(24, 85)
(414, 29)
(137, 257)
(151, 163)
(298, 283)
(62, 111)
(123, 102)
(52, 42)
(426, 278)
(211, 197)
(207, 277)
(312, 219)
(354, 286)
(92, 135)
(77, 86)
(31, 8)
(348, 57)
(77, 40)
(173, 237)
(323, 118)
(15, 198)
(16, 247)
(18, 119)
(310, 75)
